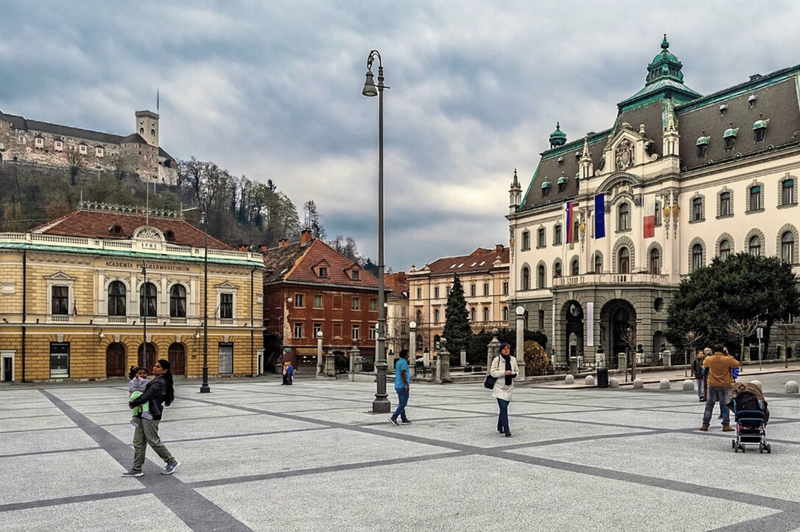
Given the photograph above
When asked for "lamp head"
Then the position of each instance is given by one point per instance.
(319, 335)
(520, 311)
(369, 85)
(412, 325)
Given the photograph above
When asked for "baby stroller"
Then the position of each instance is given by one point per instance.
(752, 414)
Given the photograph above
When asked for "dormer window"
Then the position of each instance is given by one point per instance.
(560, 161)
(760, 129)
(322, 272)
(82, 149)
(578, 155)
(59, 145)
(562, 183)
(39, 142)
(545, 187)
(702, 145)
(98, 152)
(169, 234)
(723, 109)
(729, 137)
(355, 275)
(751, 101)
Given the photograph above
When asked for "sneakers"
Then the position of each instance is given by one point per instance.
(727, 428)
(133, 473)
(704, 428)
(406, 422)
(393, 421)
(702, 400)
(508, 434)
(171, 467)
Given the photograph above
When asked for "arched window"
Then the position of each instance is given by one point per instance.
(697, 257)
(598, 263)
(655, 261)
(541, 281)
(147, 300)
(541, 320)
(787, 247)
(526, 278)
(436, 316)
(574, 267)
(725, 204)
(624, 217)
(557, 269)
(472, 314)
(725, 249)
(754, 246)
(419, 317)
(485, 314)
(505, 314)
(624, 260)
(117, 299)
(177, 301)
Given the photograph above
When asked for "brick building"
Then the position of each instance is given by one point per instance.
(484, 274)
(309, 287)
(52, 145)
(73, 296)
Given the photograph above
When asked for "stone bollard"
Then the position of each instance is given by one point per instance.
(664, 384)
(569, 379)
(613, 382)
(573, 365)
(791, 387)
(688, 385)
(463, 358)
(589, 380)
(757, 384)
(330, 365)
(443, 363)
(638, 383)
(667, 358)
(493, 349)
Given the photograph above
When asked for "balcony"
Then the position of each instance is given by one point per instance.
(616, 279)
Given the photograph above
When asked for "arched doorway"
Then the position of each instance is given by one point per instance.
(573, 314)
(115, 360)
(150, 359)
(617, 329)
(177, 359)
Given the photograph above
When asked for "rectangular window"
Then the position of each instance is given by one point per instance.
(317, 329)
(317, 301)
(60, 300)
(557, 235)
(226, 306)
(473, 290)
(323, 271)
(787, 192)
(373, 304)
(526, 240)
(725, 204)
(298, 301)
(505, 288)
(697, 209)
(540, 239)
(356, 275)
(373, 332)
(59, 360)
(755, 198)
(486, 289)
(337, 302)
(435, 292)
(356, 330)
(225, 358)
(419, 293)
(337, 330)
(298, 330)
(356, 303)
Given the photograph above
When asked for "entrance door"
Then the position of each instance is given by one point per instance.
(150, 360)
(177, 359)
(8, 369)
(115, 360)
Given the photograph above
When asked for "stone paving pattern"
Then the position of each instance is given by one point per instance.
(260, 456)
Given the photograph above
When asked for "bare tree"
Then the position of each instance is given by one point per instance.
(785, 328)
(76, 163)
(690, 338)
(741, 329)
(628, 337)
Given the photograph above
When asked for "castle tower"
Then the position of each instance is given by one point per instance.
(147, 126)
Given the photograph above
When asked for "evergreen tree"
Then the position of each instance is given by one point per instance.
(457, 330)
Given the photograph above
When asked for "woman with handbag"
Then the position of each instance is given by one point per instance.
(504, 369)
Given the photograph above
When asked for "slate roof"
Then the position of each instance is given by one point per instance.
(19, 122)
(97, 224)
(480, 260)
(295, 262)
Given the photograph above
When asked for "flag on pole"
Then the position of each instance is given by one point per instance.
(599, 216)
(569, 223)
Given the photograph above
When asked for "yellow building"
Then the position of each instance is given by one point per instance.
(74, 293)
(484, 274)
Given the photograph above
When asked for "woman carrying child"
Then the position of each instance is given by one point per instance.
(138, 377)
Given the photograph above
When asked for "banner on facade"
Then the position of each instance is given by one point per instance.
(590, 324)
(649, 216)
(599, 216)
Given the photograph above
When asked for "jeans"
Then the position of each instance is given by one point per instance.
(700, 390)
(402, 401)
(714, 394)
(147, 433)
(502, 419)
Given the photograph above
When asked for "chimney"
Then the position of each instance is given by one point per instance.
(243, 247)
(305, 236)
(498, 248)
(282, 243)
(262, 248)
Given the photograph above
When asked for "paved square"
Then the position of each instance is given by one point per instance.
(260, 456)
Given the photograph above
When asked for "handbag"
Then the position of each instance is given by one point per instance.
(489, 382)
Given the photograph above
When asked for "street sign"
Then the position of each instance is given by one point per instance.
(760, 333)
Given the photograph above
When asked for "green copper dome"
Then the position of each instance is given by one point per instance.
(703, 140)
(664, 65)
(557, 137)
(760, 124)
(562, 180)
(730, 132)
(546, 183)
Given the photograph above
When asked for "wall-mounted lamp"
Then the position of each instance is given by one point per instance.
(197, 333)
(289, 300)
(134, 322)
(101, 335)
(5, 320)
(37, 320)
(165, 323)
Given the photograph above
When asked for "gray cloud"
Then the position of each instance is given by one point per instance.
(272, 90)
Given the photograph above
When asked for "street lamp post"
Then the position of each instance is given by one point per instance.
(520, 352)
(143, 357)
(204, 387)
(412, 347)
(381, 403)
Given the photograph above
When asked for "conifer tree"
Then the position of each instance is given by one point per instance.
(456, 326)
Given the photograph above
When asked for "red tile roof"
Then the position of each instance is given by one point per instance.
(397, 282)
(97, 224)
(480, 260)
(295, 262)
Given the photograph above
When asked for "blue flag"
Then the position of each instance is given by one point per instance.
(599, 216)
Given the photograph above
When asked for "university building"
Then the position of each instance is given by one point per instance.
(484, 274)
(81, 295)
(611, 222)
(56, 146)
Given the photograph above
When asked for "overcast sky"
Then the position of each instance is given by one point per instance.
(272, 90)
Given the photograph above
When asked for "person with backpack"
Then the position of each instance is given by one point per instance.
(505, 369)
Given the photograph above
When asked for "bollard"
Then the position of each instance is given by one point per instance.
(638, 383)
(688, 385)
(613, 382)
(589, 380)
(791, 387)
(664, 384)
(569, 379)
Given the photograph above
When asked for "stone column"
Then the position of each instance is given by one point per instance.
(355, 362)
(520, 352)
(412, 348)
(492, 350)
(330, 365)
(463, 358)
(319, 353)
(443, 363)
